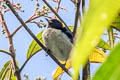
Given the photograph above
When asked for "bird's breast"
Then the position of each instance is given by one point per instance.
(58, 43)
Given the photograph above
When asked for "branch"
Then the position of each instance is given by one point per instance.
(33, 17)
(56, 14)
(18, 28)
(115, 36)
(58, 6)
(76, 17)
(6, 52)
(35, 38)
(11, 47)
(83, 6)
(86, 72)
(29, 19)
(116, 28)
(111, 37)
(86, 69)
(26, 62)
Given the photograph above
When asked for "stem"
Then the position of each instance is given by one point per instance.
(26, 62)
(8, 53)
(86, 69)
(86, 72)
(116, 28)
(10, 74)
(35, 38)
(58, 6)
(18, 28)
(111, 37)
(11, 47)
(76, 17)
(30, 19)
(33, 17)
(56, 14)
(83, 7)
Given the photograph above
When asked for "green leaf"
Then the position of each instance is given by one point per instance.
(101, 44)
(34, 47)
(6, 71)
(100, 15)
(116, 23)
(110, 70)
(13, 77)
(104, 45)
(71, 28)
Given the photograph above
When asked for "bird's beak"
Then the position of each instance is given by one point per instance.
(49, 21)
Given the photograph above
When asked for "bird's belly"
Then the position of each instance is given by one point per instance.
(60, 54)
(58, 45)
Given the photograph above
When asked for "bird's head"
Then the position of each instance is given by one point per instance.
(54, 23)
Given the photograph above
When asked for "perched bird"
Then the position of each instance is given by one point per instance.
(58, 39)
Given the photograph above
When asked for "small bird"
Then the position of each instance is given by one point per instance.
(58, 39)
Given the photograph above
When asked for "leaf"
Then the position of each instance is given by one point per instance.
(13, 77)
(71, 28)
(59, 70)
(101, 44)
(110, 70)
(100, 15)
(104, 45)
(97, 56)
(6, 71)
(116, 23)
(34, 47)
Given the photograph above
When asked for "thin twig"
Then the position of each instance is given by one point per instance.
(26, 61)
(10, 75)
(29, 20)
(86, 72)
(11, 47)
(115, 36)
(35, 38)
(6, 52)
(33, 17)
(56, 14)
(116, 28)
(58, 6)
(76, 17)
(18, 28)
(111, 37)
(86, 69)
(83, 7)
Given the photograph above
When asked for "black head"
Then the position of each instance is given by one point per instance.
(54, 23)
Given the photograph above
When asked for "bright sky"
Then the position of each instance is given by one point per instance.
(39, 65)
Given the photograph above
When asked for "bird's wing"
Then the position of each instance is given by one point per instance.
(58, 43)
(63, 43)
(68, 33)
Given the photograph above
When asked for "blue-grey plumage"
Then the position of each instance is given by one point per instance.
(57, 42)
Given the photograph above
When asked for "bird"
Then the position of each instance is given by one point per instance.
(58, 39)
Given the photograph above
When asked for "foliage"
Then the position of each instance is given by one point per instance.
(101, 15)
(97, 19)
(110, 67)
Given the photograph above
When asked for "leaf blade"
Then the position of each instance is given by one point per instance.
(111, 67)
(34, 47)
(98, 17)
